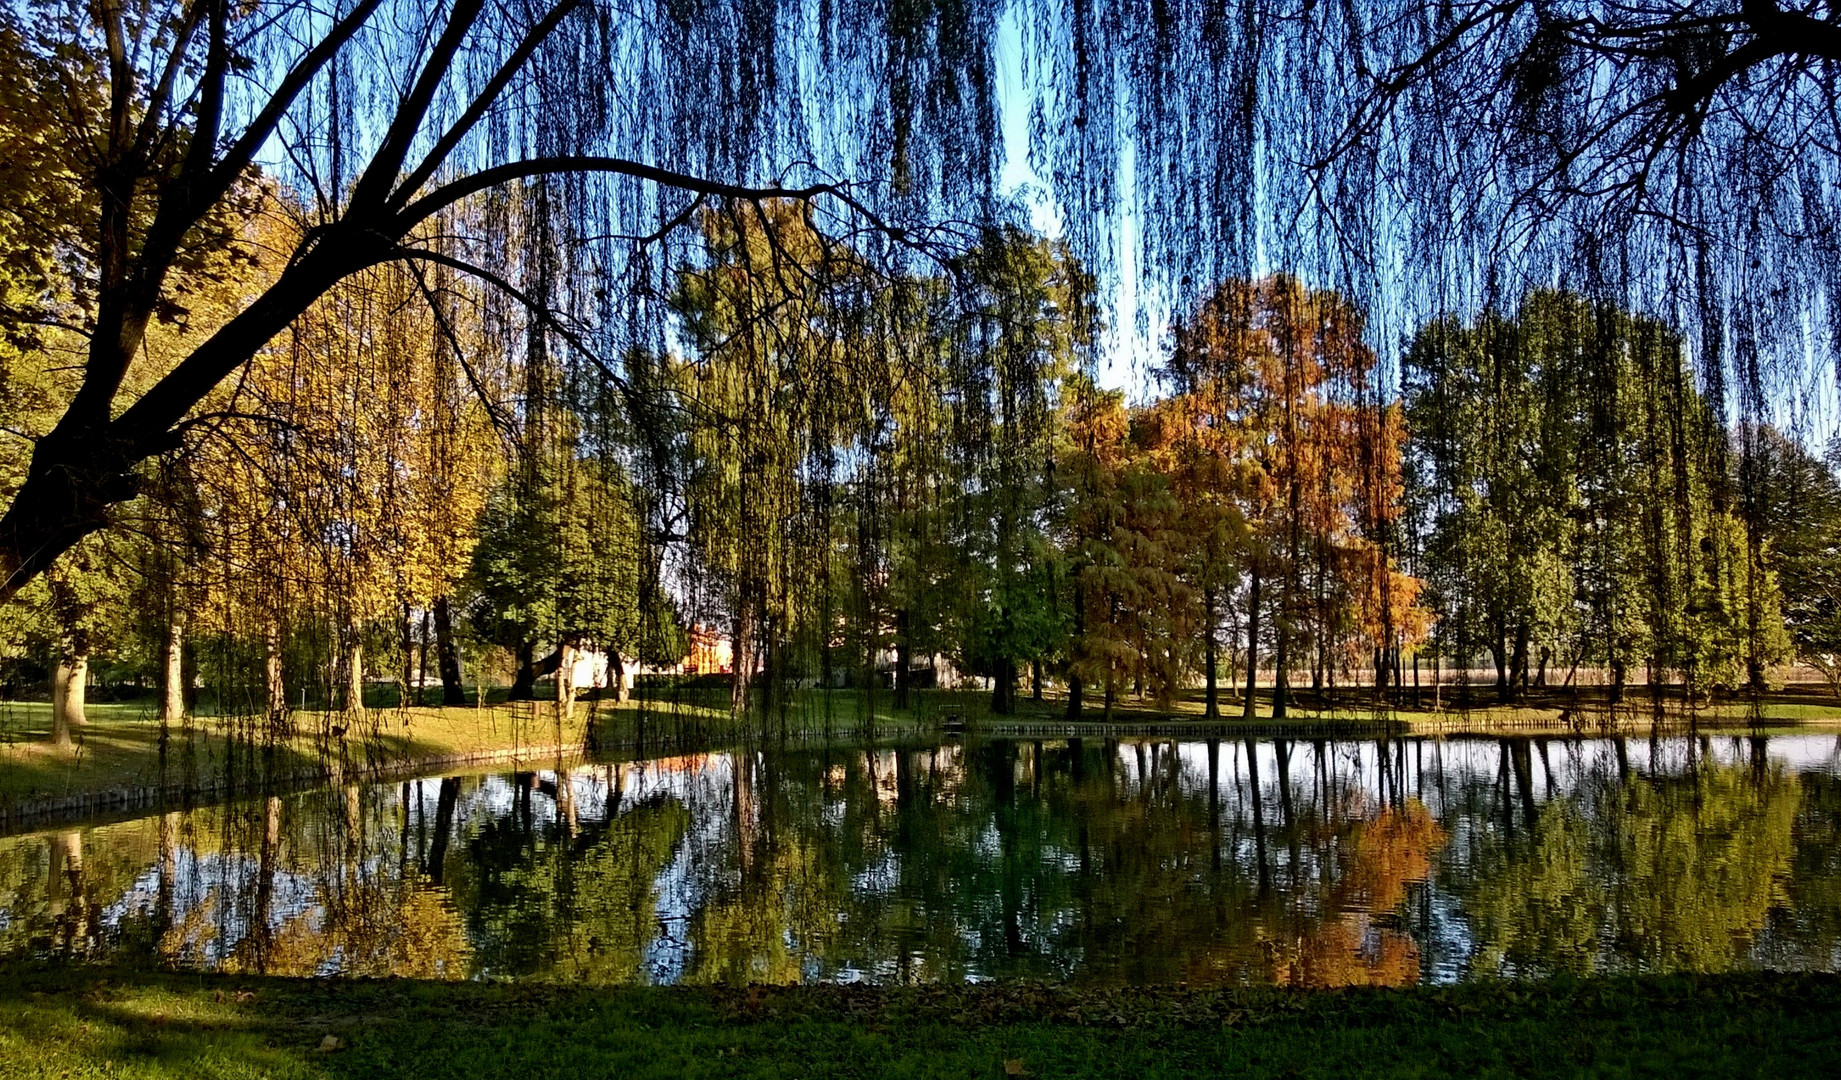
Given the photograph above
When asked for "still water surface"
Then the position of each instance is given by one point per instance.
(1316, 863)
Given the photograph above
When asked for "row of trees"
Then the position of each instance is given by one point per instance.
(1549, 490)
(851, 469)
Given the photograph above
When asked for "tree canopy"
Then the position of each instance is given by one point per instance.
(1675, 159)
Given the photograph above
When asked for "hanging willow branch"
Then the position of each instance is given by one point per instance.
(1680, 161)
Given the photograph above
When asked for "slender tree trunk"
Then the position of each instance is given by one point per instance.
(1076, 685)
(273, 677)
(1232, 655)
(407, 692)
(1035, 680)
(422, 656)
(1499, 651)
(1210, 657)
(903, 660)
(565, 683)
(1281, 653)
(616, 671)
(1281, 677)
(772, 678)
(1249, 709)
(354, 674)
(1518, 661)
(447, 656)
(172, 673)
(741, 654)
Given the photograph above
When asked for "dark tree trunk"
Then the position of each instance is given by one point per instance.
(1003, 687)
(773, 675)
(447, 657)
(524, 685)
(1518, 661)
(427, 631)
(904, 660)
(1249, 709)
(616, 673)
(1077, 686)
(1281, 676)
(741, 659)
(1210, 657)
(409, 692)
(1499, 651)
(1320, 656)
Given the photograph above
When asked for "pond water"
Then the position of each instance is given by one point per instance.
(1316, 863)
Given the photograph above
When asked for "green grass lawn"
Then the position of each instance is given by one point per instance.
(98, 1023)
(121, 747)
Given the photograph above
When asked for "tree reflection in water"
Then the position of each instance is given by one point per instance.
(1319, 863)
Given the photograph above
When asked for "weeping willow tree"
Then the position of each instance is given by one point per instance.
(785, 371)
(866, 450)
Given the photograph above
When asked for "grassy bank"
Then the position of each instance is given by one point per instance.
(59, 1023)
(124, 747)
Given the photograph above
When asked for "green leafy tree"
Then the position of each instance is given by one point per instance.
(1572, 491)
(559, 562)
